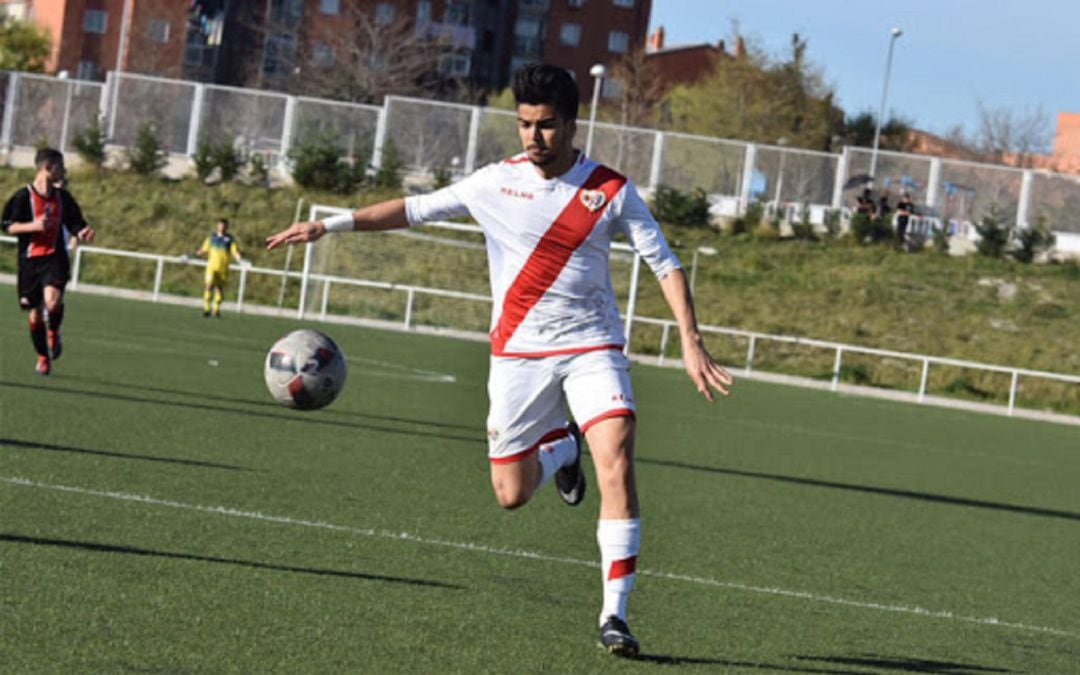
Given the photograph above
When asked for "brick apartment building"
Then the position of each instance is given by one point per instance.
(266, 42)
(86, 34)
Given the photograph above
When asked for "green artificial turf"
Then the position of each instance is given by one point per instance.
(160, 513)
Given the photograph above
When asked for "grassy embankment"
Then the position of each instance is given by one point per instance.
(972, 308)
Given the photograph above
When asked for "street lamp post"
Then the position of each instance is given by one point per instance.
(896, 32)
(597, 71)
(704, 250)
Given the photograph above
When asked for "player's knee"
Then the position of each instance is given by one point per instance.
(52, 304)
(510, 495)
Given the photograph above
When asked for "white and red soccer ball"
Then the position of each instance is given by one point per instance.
(304, 370)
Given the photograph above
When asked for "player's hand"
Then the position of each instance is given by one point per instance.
(36, 225)
(86, 235)
(706, 373)
(297, 233)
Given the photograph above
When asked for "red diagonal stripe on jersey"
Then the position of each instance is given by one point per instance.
(622, 568)
(550, 256)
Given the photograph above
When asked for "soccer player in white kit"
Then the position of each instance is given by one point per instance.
(548, 217)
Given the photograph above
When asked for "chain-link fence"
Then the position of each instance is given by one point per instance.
(431, 136)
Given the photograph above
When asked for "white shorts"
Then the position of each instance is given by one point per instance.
(529, 398)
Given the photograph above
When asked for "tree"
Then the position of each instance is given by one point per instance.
(753, 97)
(640, 89)
(859, 130)
(1005, 131)
(23, 46)
(369, 60)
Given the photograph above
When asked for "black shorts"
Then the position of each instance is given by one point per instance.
(37, 273)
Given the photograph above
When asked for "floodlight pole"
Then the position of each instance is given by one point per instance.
(597, 71)
(896, 32)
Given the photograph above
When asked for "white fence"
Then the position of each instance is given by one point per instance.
(322, 284)
(431, 135)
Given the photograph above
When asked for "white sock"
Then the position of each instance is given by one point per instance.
(555, 455)
(619, 541)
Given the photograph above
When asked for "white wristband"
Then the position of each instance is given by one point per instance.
(342, 223)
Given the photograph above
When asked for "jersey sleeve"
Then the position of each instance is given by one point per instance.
(205, 246)
(451, 201)
(234, 248)
(72, 214)
(637, 223)
(17, 209)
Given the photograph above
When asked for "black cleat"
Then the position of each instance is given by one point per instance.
(616, 638)
(570, 480)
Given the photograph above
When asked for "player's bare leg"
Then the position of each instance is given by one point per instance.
(54, 308)
(36, 319)
(557, 455)
(618, 532)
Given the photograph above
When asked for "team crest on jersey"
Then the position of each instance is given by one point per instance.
(593, 200)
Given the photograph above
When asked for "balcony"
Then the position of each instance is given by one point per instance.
(451, 35)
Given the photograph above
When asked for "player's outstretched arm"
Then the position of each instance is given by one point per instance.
(389, 215)
(706, 373)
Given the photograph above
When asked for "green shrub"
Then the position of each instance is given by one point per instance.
(146, 157)
(869, 230)
(832, 223)
(749, 221)
(803, 228)
(391, 169)
(940, 236)
(90, 144)
(1031, 241)
(317, 163)
(442, 178)
(259, 169)
(228, 159)
(681, 208)
(994, 234)
(203, 159)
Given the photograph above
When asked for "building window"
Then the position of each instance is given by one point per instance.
(280, 54)
(570, 34)
(575, 3)
(423, 12)
(157, 31)
(384, 13)
(286, 12)
(457, 13)
(94, 21)
(322, 55)
(455, 65)
(535, 5)
(618, 42)
(88, 70)
(329, 6)
(624, 3)
(528, 37)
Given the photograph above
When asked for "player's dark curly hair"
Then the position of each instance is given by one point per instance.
(543, 84)
(48, 157)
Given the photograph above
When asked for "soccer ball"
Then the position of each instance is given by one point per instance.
(305, 370)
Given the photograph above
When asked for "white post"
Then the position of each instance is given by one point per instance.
(410, 296)
(380, 134)
(196, 120)
(114, 96)
(750, 355)
(656, 169)
(836, 369)
(67, 116)
(325, 299)
(9, 111)
(1012, 391)
(75, 269)
(933, 182)
(474, 139)
(304, 276)
(1025, 199)
(663, 343)
(747, 177)
(597, 71)
(631, 302)
(241, 289)
(841, 178)
(896, 32)
(922, 380)
(157, 277)
(287, 133)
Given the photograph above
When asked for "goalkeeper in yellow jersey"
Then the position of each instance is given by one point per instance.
(218, 248)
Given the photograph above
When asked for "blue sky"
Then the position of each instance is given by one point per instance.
(953, 53)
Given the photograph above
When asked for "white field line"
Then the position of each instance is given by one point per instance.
(533, 555)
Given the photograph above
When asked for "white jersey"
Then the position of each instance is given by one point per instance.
(548, 242)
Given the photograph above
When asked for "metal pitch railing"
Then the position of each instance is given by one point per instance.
(310, 279)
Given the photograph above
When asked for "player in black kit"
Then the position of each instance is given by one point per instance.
(43, 214)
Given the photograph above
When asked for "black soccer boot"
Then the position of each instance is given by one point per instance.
(570, 479)
(616, 638)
